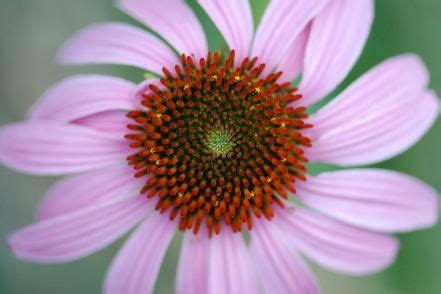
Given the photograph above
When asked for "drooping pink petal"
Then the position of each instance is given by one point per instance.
(137, 265)
(173, 20)
(52, 148)
(75, 235)
(335, 245)
(280, 269)
(380, 116)
(292, 63)
(80, 96)
(372, 198)
(234, 20)
(281, 24)
(118, 43)
(230, 266)
(79, 191)
(221, 263)
(337, 38)
(193, 269)
(111, 122)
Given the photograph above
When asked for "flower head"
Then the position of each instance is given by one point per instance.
(217, 143)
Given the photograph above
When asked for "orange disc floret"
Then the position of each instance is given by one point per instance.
(221, 144)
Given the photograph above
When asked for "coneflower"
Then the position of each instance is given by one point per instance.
(218, 144)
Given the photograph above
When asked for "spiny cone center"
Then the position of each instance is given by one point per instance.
(218, 144)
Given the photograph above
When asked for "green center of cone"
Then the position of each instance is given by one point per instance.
(220, 142)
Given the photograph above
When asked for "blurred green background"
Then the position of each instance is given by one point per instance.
(32, 30)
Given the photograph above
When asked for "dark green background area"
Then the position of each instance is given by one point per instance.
(32, 30)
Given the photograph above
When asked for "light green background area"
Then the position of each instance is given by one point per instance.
(32, 30)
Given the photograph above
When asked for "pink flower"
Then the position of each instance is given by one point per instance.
(219, 141)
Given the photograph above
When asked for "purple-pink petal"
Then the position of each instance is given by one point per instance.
(381, 115)
(111, 122)
(193, 268)
(230, 266)
(75, 235)
(137, 265)
(381, 136)
(80, 191)
(221, 264)
(280, 268)
(234, 20)
(292, 64)
(118, 43)
(375, 199)
(383, 85)
(337, 38)
(173, 20)
(80, 96)
(281, 24)
(52, 148)
(336, 245)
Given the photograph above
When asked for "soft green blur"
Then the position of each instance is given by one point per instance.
(32, 30)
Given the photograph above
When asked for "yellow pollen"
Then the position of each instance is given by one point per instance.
(152, 150)
(283, 125)
(269, 179)
(186, 87)
(237, 79)
(158, 162)
(283, 159)
(180, 195)
(214, 78)
(257, 91)
(252, 194)
(217, 203)
(158, 116)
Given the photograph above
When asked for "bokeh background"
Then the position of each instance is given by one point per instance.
(32, 30)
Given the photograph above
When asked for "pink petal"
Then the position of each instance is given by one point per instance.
(230, 266)
(80, 96)
(193, 269)
(335, 245)
(386, 83)
(292, 63)
(173, 20)
(234, 20)
(221, 263)
(75, 235)
(372, 198)
(118, 43)
(380, 136)
(280, 26)
(77, 192)
(380, 116)
(50, 148)
(280, 269)
(337, 38)
(137, 265)
(111, 122)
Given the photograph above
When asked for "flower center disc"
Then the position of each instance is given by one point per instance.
(217, 143)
